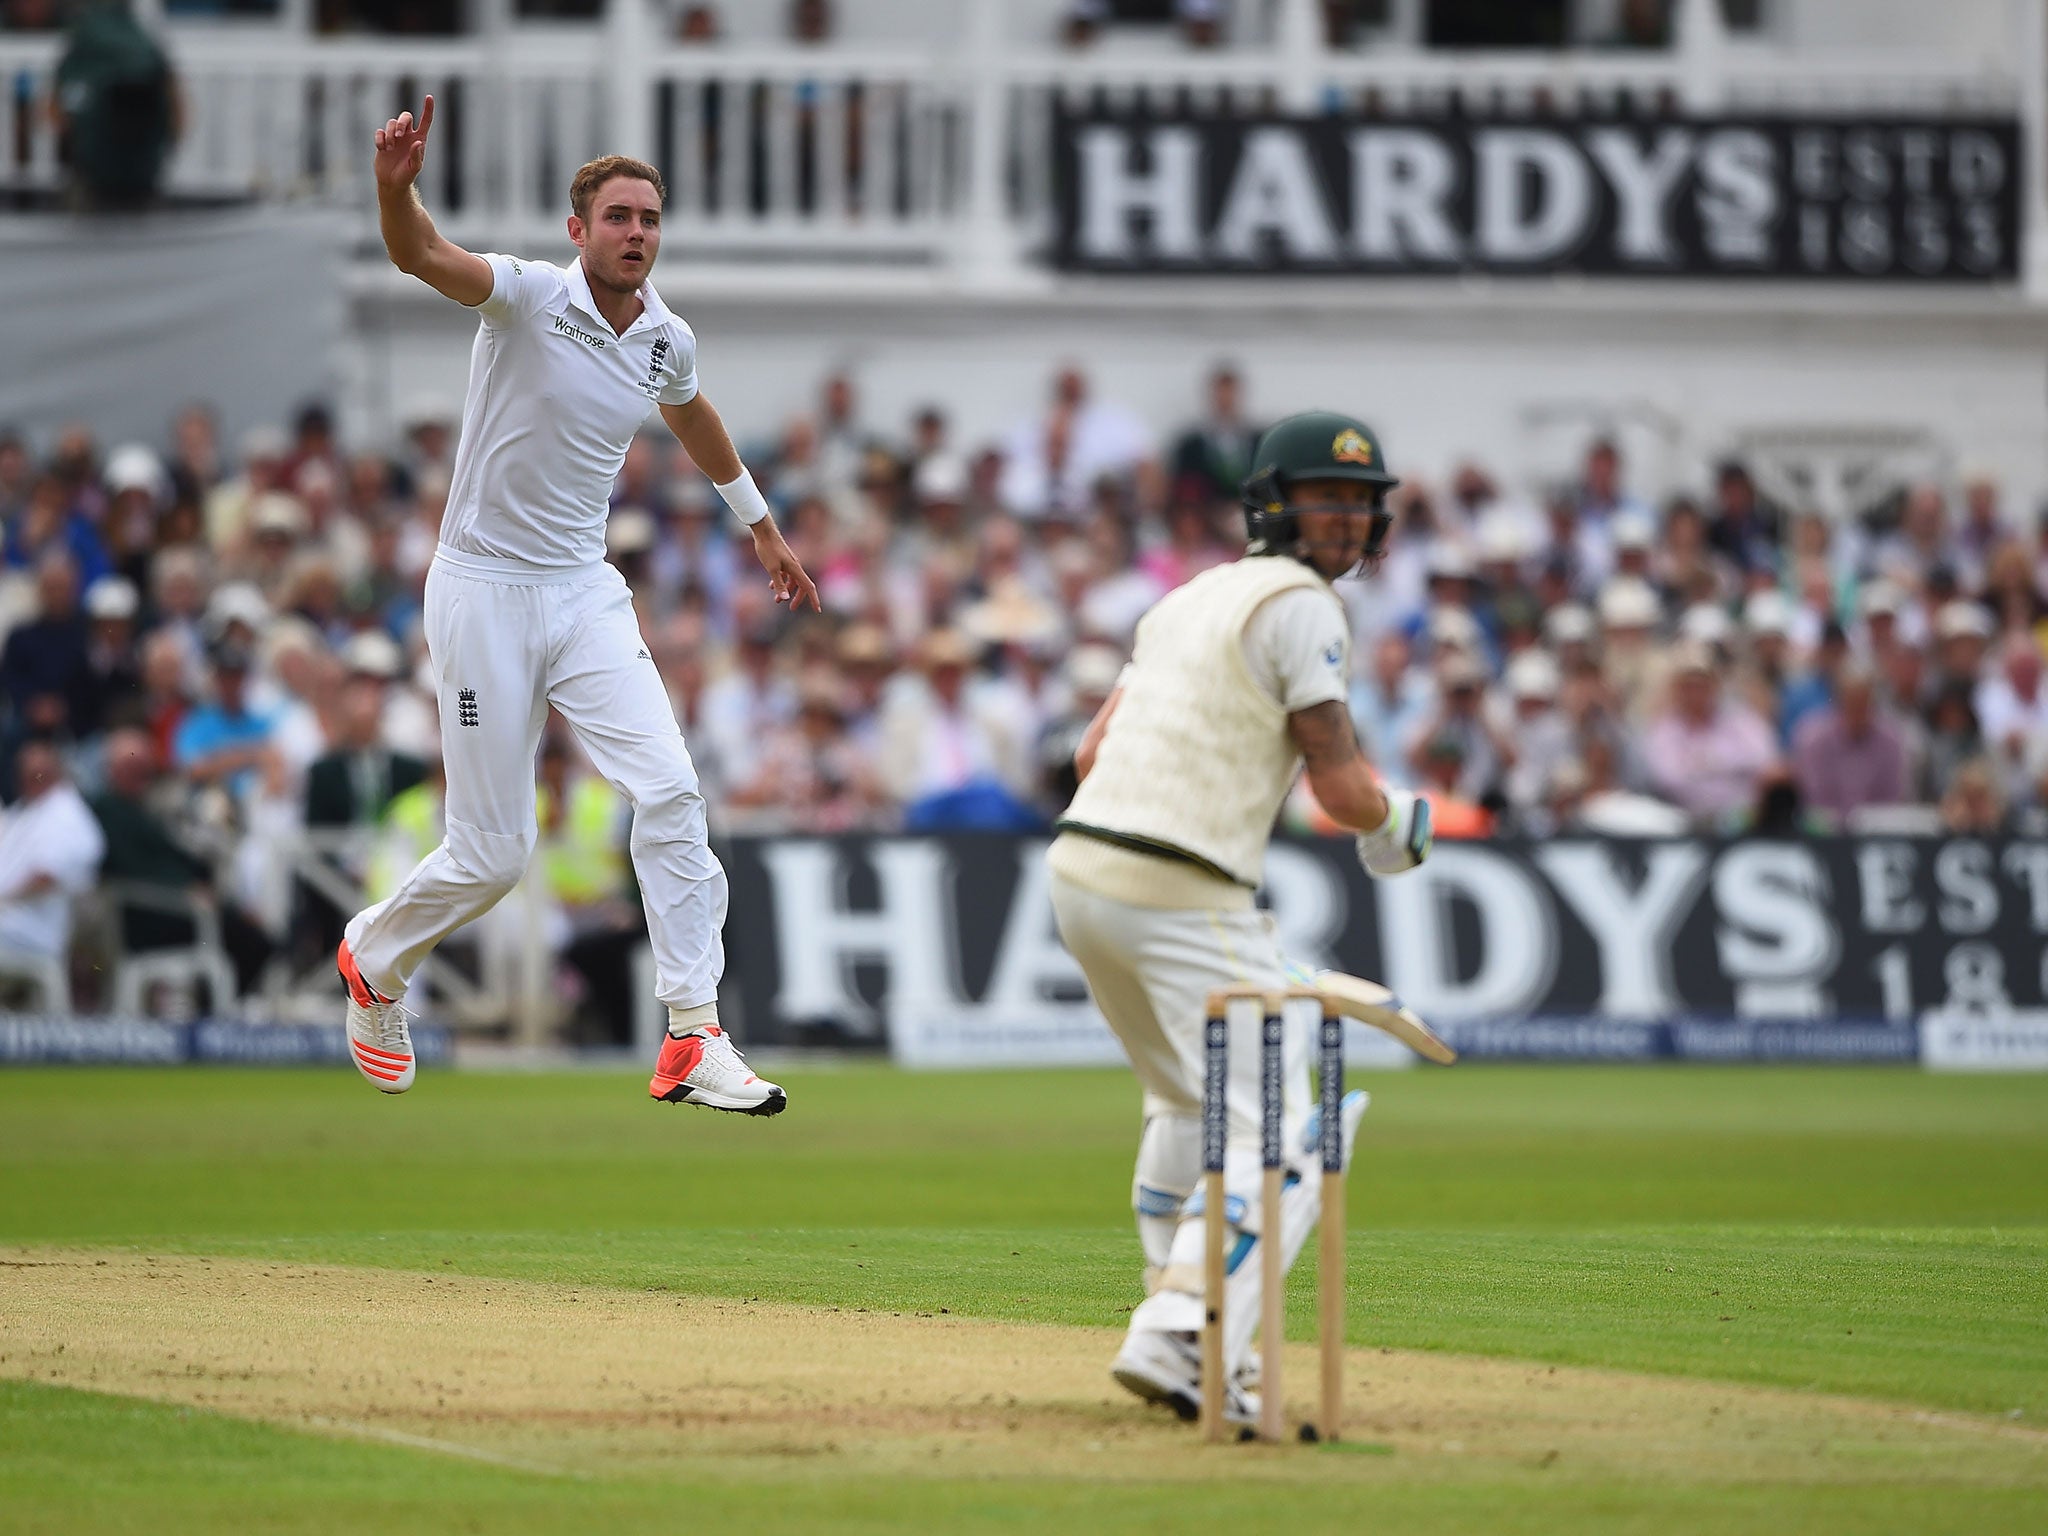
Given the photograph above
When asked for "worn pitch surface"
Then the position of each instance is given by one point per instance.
(589, 1380)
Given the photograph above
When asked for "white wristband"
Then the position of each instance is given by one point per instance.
(745, 498)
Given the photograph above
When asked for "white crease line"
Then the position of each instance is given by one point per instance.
(445, 1447)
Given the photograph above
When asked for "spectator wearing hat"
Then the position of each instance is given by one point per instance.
(814, 777)
(50, 852)
(950, 761)
(1962, 638)
(630, 535)
(1706, 752)
(1765, 662)
(1538, 739)
(1442, 771)
(262, 453)
(1629, 616)
(224, 741)
(45, 669)
(278, 526)
(1850, 753)
(1460, 717)
(113, 670)
(137, 489)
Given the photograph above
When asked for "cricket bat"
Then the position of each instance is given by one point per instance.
(1371, 1003)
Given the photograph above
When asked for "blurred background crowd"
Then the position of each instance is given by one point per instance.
(212, 652)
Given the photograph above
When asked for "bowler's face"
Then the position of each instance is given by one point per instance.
(622, 235)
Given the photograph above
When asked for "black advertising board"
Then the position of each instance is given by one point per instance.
(1865, 199)
(1822, 948)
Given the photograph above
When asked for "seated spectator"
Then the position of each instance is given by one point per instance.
(113, 681)
(1440, 768)
(359, 776)
(50, 852)
(45, 671)
(1538, 739)
(1849, 754)
(1589, 796)
(1974, 804)
(1390, 704)
(142, 848)
(2012, 709)
(1743, 527)
(952, 763)
(224, 742)
(1460, 716)
(1953, 738)
(1705, 752)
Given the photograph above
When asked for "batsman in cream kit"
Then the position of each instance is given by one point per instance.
(1237, 681)
(522, 613)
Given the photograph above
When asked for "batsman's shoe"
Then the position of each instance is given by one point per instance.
(1163, 1367)
(706, 1068)
(379, 1039)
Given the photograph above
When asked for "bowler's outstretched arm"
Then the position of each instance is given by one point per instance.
(410, 238)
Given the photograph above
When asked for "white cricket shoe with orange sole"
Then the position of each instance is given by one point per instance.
(706, 1068)
(379, 1040)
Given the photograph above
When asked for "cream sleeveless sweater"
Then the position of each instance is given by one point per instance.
(1197, 759)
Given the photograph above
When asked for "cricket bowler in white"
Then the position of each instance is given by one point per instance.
(1236, 680)
(522, 612)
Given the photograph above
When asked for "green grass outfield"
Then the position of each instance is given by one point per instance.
(1875, 1232)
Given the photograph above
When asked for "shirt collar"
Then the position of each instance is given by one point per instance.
(653, 311)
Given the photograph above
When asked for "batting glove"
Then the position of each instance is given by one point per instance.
(1400, 842)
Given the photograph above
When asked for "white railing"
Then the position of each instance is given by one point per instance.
(939, 157)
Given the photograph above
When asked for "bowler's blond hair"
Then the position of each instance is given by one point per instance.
(602, 170)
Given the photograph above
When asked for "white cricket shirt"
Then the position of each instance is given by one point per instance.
(555, 397)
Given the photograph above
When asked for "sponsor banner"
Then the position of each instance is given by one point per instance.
(1061, 1035)
(1862, 199)
(1963, 1041)
(50, 1039)
(1579, 948)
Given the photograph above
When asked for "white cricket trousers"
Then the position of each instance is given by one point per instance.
(1151, 972)
(507, 641)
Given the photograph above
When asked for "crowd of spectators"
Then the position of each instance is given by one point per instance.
(210, 648)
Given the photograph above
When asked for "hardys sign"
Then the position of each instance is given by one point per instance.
(1574, 948)
(1921, 200)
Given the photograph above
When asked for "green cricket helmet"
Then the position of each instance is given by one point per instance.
(1313, 445)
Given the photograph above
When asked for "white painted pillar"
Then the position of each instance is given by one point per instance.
(631, 30)
(1300, 48)
(1700, 40)
(985, 252)
(2029, 33)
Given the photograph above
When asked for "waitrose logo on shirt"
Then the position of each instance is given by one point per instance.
(563, 325)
